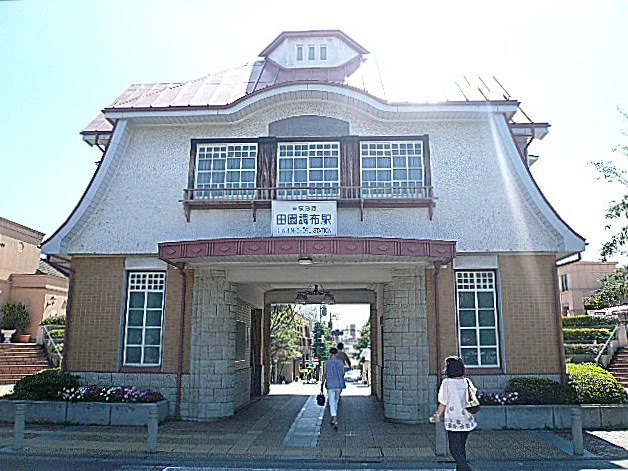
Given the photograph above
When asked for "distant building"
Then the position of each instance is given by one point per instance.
(25, 278)
(579, 280)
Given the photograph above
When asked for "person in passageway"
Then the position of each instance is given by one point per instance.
(452, 400)
(335, 383)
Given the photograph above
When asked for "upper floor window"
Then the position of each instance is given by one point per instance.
(308, 165)
(144, 318)
(564, 284)
(477, 317)
(228, 166)
(322, 52)
(299, 52)
(311, 52)
(392, 169)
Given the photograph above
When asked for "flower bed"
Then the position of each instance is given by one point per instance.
(114, 394)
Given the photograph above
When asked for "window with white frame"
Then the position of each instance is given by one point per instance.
(392, 169)
(313, 166)
(144, 318)
(226, 170)
(311, 52)
(477, 318)
(322, 52)
(299, 52)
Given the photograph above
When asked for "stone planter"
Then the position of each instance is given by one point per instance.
(84, 413)
(594, 416)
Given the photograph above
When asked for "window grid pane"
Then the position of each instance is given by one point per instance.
(143, 323)
(229, 166)
(314, 166)
(477, 318)
(393, 169)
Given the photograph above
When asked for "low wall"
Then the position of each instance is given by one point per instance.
(84, 413)
(594, 416)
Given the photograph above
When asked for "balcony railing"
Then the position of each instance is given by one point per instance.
(347, 196)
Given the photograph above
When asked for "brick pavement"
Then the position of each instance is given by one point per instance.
(266, 430)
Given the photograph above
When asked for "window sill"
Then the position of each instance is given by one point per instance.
(476, 371)
(140, 369)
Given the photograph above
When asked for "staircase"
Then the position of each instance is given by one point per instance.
(20, 359)
(619, 366)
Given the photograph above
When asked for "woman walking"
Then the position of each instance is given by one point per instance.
(452, 400)
(335, 383)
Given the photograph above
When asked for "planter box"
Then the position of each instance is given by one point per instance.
(594, 416)
(84, 413)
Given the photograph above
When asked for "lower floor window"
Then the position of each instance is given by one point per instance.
(477, 318)
(144, 318)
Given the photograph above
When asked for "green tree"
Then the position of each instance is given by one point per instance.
(364, 340)
(617, 210)
(285, 333)
(614, 291)
(322, 341)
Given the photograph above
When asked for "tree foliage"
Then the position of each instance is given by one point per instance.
(322, 341)
(364, 341)
(285, 333)
(614, 291)
(617, 210)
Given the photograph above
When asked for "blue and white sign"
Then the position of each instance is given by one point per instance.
(304, 218)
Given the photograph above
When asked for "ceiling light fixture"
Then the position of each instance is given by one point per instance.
(305, 260)
(315, 296)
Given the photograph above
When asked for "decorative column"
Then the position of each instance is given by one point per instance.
(405, 346)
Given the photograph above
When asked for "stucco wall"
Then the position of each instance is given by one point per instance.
(473, 181)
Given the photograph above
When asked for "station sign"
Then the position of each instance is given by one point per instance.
(304, 218)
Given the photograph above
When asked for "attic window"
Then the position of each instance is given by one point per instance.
(299, 52)
(323, 52)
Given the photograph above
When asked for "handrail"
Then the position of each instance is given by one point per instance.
(244, 193)
(606, 344)
(47, 329)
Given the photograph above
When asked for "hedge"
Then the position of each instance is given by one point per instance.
(595, 385)
(583, 335)
(43, 386)
(590, 321)
(533, 390)
(53, 320)
(582, 349)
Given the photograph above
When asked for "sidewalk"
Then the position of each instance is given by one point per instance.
(284, 425)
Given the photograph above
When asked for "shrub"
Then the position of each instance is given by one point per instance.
(57, 333)
(582, 335)
(541, 391)
(109, 394)
(497, 399)
(16, 316)
(44, 386)
(594, 385)
(590, 321)
(53, 320)
(582, 349)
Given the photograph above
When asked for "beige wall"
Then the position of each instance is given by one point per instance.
(19, 249)
(582, 282)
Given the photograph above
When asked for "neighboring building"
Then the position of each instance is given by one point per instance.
(578, 280)
(219, 197)
(25, 278)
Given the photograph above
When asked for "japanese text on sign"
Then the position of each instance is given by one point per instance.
(298, 218)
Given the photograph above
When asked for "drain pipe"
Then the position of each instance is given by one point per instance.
(437, 265)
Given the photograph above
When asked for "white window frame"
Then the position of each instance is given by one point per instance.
(393, 152)
(478, 281)
(291, 151)
(145, 282)
(311, 52)
(232, 157)
(300, 52)
(322, 52)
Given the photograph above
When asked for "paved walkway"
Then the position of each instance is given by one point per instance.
(285, 425)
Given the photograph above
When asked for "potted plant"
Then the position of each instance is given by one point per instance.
(16, 317)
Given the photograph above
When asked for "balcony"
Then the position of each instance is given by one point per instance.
(361, 197)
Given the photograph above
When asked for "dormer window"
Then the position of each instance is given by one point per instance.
(323, 52)
(311, 52)
(299, 52)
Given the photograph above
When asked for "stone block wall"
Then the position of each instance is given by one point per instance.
(405, 347)
(211, 390)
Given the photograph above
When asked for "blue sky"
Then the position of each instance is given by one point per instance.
(61, 62)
